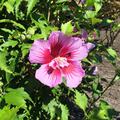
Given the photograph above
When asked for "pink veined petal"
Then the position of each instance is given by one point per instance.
(54, 38)
(48, 76)
(40, 52)
(80, 53)
(77, 50)
(73, 74)
(55, 43)
(57, 40)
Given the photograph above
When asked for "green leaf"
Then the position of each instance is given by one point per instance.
(37, 36)
(8, 114)
(112, 52)
(10, 6)
(51, 108)
(13, 22)
(90, 14)
(117, 78)
(96, 20)
(31, 30)
(17, 97)
(9, 43)
(61, 1)
(65, 112)
(17, 4)
(90, 2)
(103, 112)
(3, 62)
(98, 5)
(1, 4)
(12, 65)
(81, 100)
(31, 5)
(44, 28)
(7, 30)
(67, 28)
(25, 49)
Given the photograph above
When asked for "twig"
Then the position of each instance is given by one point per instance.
(111, 82)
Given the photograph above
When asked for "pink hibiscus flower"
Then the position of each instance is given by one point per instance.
(59, 57)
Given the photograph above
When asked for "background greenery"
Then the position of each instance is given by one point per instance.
(22, 97)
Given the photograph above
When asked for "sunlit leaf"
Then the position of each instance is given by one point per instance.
(25, 49)
(6, 30)
(90, 14)
(65, 112)
(98, 5)
(67, 28)
(13, 22)
(103, 112)
(31, 5)
(112, 52)
(8, 114)
(17, 4)
(9, 43)
(12, 65)
(61, 1)
(81, 100)
(17, 97)
(51, 108)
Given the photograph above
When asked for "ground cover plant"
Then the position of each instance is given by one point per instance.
(49, 52)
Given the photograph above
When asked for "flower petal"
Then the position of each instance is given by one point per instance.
(48, 76)
(73, 74)
(80, 53)
(40, 52)
(77, 50)
(90, 46)
(57, 40)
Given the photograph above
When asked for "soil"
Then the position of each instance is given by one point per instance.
(107, 71)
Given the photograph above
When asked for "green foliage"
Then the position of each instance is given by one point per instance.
(81, 100)
(112, 52)
(51, 108)
(22, 22)
(61, 1)
(19, 96)
(13, 22)
(17, 4)
(25, 49)
(9, 6)
(65, 112)
(8, 114)
(67, 28)
(31, 4)
(3, 65)
(9, 43)
(103, 112)
(56, 109)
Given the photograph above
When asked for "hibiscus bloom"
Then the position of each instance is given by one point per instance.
(59, 57)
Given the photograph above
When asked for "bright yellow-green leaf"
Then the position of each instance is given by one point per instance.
(81, 100)
(17, 97)
(67, 28)
(112, 52)
(8, 114)
(65, 112)
(13, 22)
(9, 43)
(31, 5)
